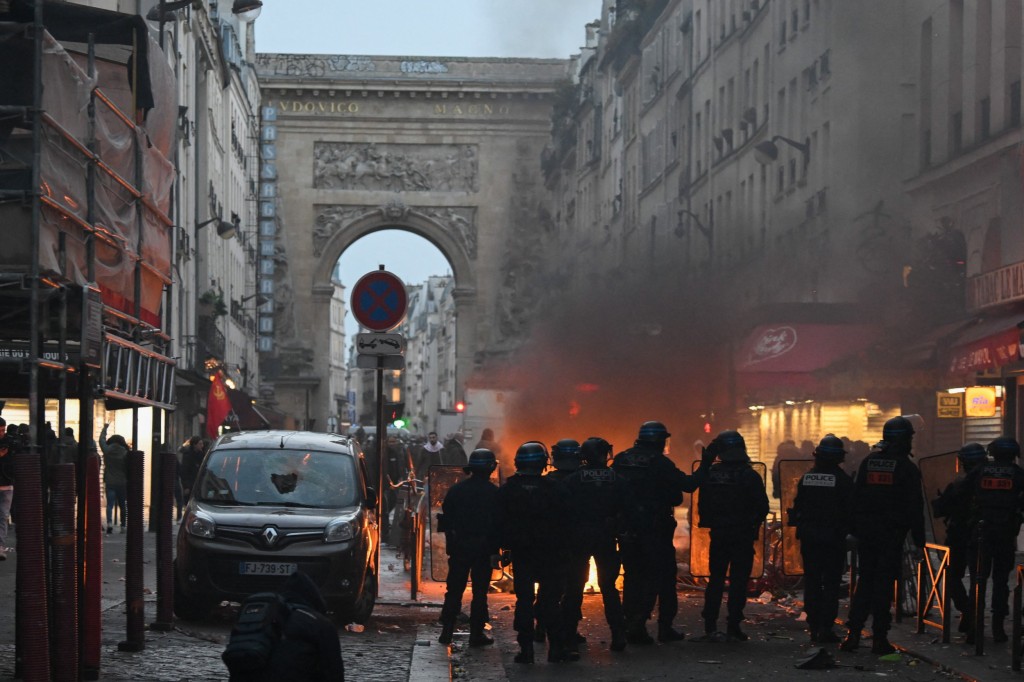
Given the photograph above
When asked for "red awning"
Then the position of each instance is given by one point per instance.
(787, 356)
(986, 345)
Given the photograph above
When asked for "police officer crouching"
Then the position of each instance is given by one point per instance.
(887, 504)
(733, 504)
(821, 514)
(954, 505)
(469, 521)
(533, 510)
(998, 489)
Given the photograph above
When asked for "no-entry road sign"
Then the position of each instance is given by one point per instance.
(379, 301)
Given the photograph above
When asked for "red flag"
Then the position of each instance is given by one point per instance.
(218, 406)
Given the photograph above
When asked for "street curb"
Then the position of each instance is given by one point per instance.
(941, 666)
(430, 661)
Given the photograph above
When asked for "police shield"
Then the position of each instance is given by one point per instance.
(440, 479)
(937, 472)
(790, 473)
(700, 538)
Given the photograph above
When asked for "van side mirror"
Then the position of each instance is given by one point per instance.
(371, 498)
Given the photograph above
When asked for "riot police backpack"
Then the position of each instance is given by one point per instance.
(260, 626)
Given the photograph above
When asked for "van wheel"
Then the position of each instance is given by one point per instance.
(185, 608)
(360, 610)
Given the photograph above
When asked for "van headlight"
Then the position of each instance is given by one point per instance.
(340, 530)
(200, 525)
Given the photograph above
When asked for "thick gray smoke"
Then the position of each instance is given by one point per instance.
(534, 28)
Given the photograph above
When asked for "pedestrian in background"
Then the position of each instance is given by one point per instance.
(469, 519)
(191, 457)
(7, 450)
(733, 504)
(821, 514)
(115, 477)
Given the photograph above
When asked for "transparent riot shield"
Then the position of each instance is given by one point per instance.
(700, 538)
(790, 473)
(937, 471)
(440, 479)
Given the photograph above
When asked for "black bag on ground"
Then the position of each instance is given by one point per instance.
(256, 633)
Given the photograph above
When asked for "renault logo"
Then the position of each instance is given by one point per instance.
(270, 535)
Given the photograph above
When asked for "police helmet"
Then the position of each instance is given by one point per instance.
(482, 460)
(531, 455)
(652, 432)
(731, 447)
(595, 451)
(830, 449)
(565, 454)
(971, 453)
(1004, 449)
(897, 428)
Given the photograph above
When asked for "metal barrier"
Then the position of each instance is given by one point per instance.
(931, 589)
(1015, 625)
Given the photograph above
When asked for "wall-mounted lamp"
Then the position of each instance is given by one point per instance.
(225, 230)
(260, 299)
(708, 232)
(246, 10)
(164, 11)
(767, 152)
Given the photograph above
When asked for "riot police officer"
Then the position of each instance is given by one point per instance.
(998, 492)
(655, 486)
(821, 514)
(565, 458)
(598, 503)
(470, 522)
(533, 511)
(733, 504)
(954, 505)
(887, 504)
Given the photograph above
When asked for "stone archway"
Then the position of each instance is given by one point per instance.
(448, 149)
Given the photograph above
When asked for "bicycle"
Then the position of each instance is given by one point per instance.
(411, 523)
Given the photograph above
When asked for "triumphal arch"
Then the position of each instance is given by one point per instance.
(446, 148)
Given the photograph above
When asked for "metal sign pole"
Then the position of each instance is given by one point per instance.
(381, 437)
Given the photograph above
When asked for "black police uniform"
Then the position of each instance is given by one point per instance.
(888, 503)
(656, 486)
(599, 499)
(550, 595)
(471, 528)
(954, 505)
(821, 514)
(733, 504)
(533, 510)
(998, 492)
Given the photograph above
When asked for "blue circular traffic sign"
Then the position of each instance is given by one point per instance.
(379, 301)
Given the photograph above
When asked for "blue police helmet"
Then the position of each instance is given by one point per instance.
(482, 460)
(531, 455)
(1004, 448)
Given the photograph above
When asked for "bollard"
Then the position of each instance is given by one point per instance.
(168, 463)
(64, 564)
(32, 602)
(92, 572)
(133, 587)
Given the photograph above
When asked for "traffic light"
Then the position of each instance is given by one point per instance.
(460, 406)
(393, 412)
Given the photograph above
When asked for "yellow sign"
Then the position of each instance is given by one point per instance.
(980, 401)
(949, 405)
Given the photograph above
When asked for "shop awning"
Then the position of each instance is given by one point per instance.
(986, 345)
(780, 358)
(244, 416)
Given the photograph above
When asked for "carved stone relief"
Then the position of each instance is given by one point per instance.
(396, 167)
(460, 221)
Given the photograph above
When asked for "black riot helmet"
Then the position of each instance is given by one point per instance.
(482, 461)
(971, 454)
(565, 454)
(653, 433)
(595, 451)
(830, 450)
(531, 457)
(898, 429)
(1004, 449)
(731, 447)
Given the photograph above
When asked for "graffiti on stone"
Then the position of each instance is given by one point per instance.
(395, 167)
(311, 66)
(423, 67)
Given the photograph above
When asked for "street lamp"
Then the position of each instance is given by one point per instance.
(246, 10)
(767, 151)
(260, 299)
(225, 230)
(161, 11)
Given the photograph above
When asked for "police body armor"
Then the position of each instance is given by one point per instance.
(823, 517)
(718, 505)
(996, 498)
(532, 513)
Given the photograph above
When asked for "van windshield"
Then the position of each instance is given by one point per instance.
(296, 478)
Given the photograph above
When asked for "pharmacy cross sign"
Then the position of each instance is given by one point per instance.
(379, 301)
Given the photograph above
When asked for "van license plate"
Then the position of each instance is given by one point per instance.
(266, 568)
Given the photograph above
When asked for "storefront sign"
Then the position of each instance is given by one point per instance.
(987, 353)
(996, 287)
(980, 401)
(949, 405)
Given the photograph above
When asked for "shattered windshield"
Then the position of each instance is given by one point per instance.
(296, 478)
